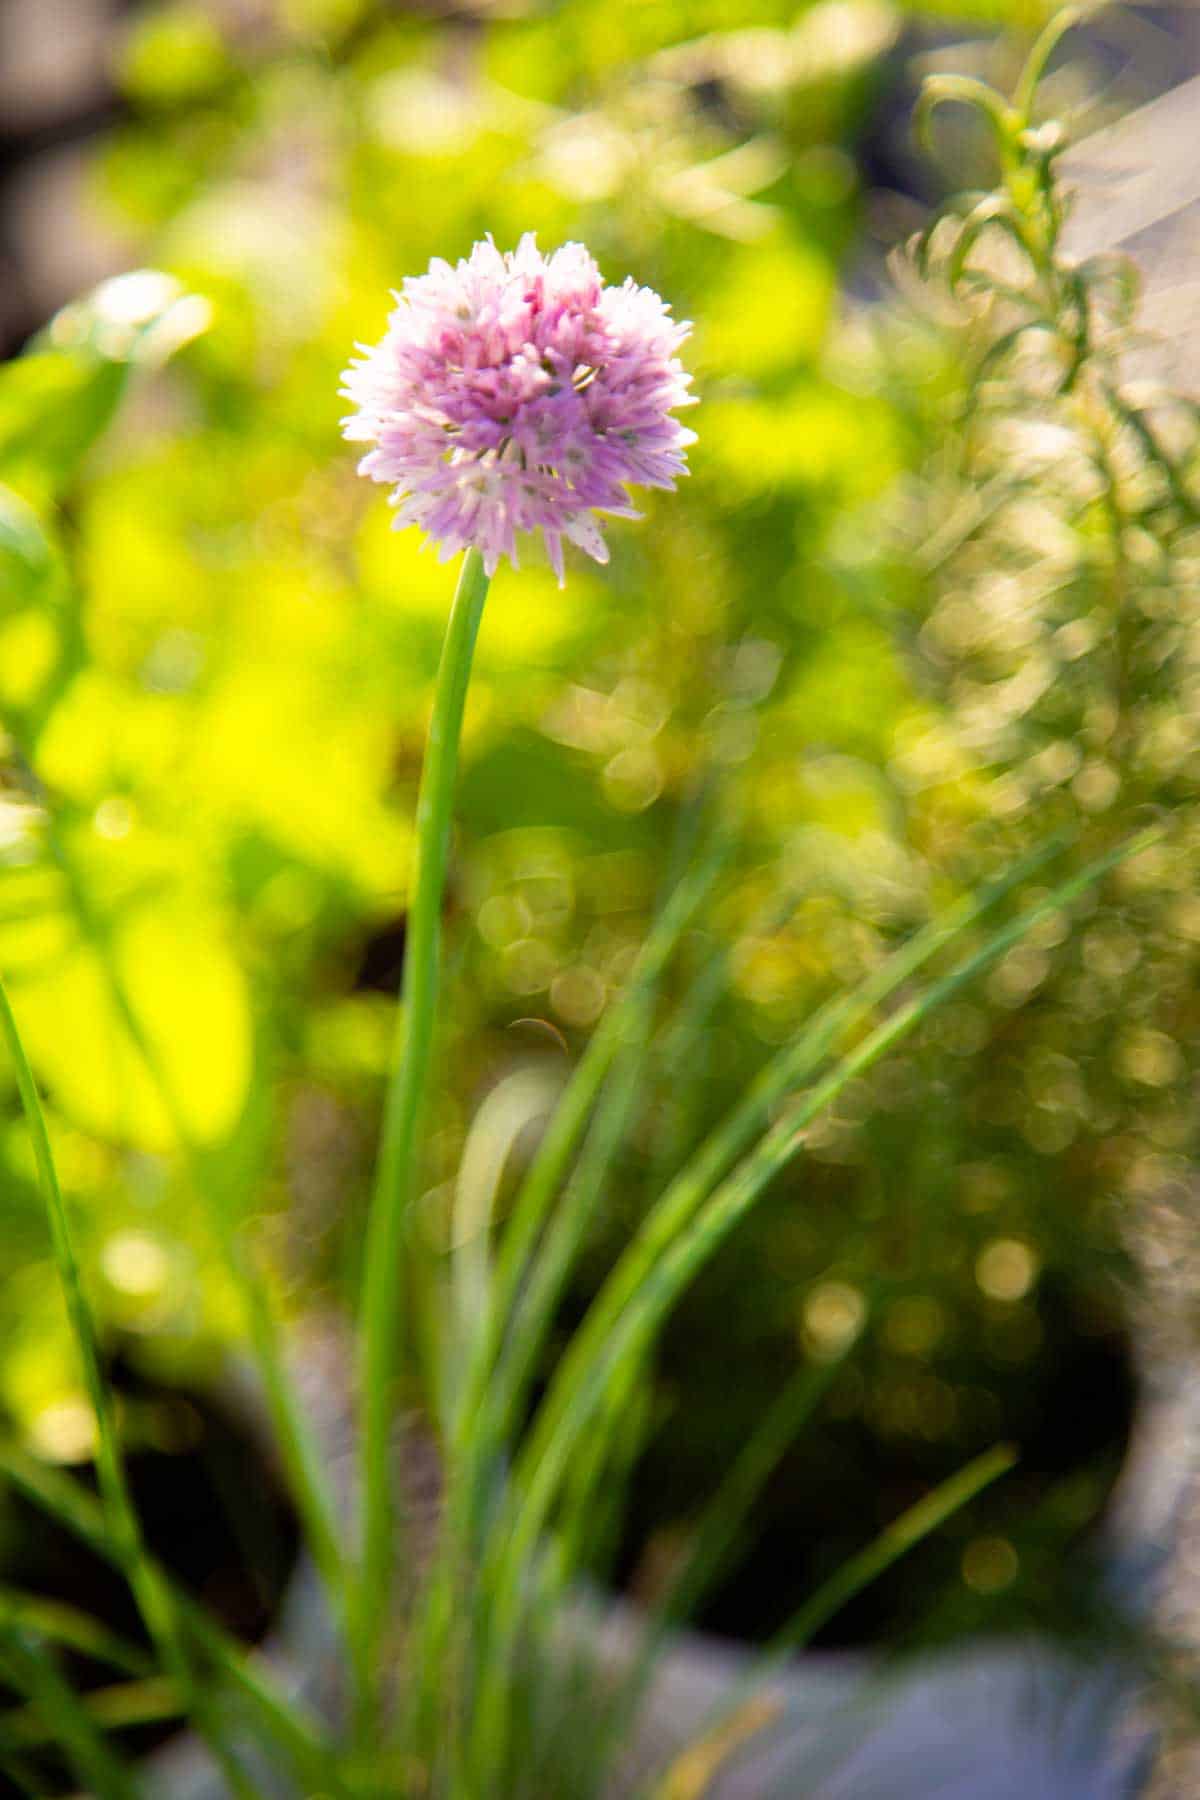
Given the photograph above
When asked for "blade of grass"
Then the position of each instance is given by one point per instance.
(153, 1598)
(71, 1506)
(594, 1509)
(717, 1539)
(114, 1708)
(306, 1476)
(683, 1042)
(550, 1268)
(671, 1246)
(692, 1773)
(59, 1623)
(64, 1720)
(594, 1499)
(550, 1165)
(560, 1674)
(895, 1541)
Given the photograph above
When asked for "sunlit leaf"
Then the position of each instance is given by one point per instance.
(190, 1001)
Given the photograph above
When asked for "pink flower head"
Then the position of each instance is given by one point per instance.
(515, 392)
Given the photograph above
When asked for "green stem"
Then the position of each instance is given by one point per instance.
(379, 1339)
(1044, 47)
(238, 1676)
(488, 1406)
(152, 1596)
(309, 1486)
(63, 1720)
(895, 1541)
(932, 1510)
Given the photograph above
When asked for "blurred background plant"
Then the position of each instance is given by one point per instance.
(881, 617)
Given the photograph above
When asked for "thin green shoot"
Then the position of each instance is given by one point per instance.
(664, 1256)
(57, 1623)
(717, 1541)
(904, 1533)
(153, 1598)
(550, 1165)
(306, 1476)
(62, 1718)
(128, 1703)
(281, 1720)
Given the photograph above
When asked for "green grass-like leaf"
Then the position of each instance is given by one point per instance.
(679, 1236)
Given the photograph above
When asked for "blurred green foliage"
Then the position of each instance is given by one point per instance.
(215, 667)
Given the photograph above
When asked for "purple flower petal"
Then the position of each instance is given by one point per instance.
(516, 393)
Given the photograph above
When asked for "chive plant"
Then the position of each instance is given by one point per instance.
(516, 393)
